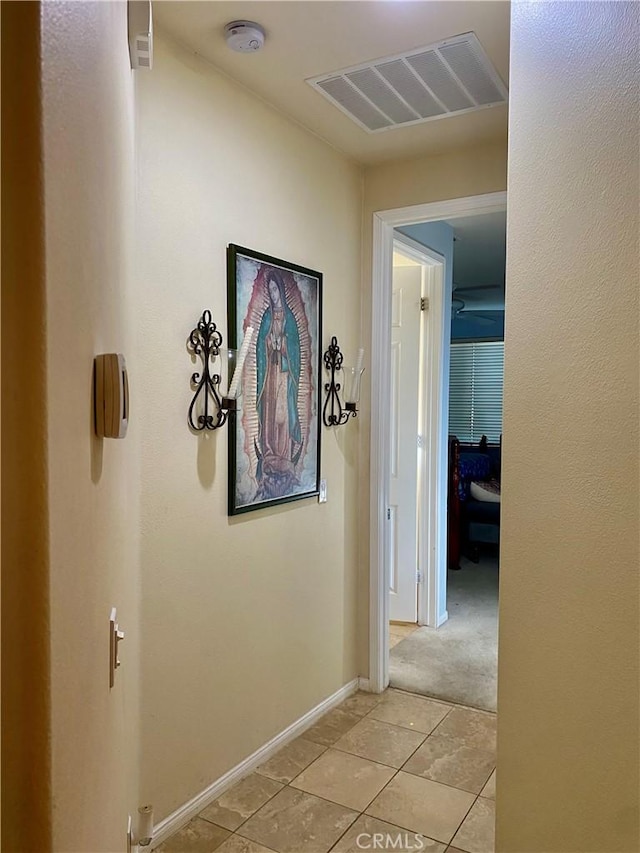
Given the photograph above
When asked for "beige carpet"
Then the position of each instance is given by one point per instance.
(457, 662)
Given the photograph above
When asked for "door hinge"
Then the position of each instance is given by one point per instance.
(418, 577)
(424, 303)
(388, 513)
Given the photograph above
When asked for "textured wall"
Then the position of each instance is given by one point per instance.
(94, 523)
(247, 622)
(568, 656)
(26, 790)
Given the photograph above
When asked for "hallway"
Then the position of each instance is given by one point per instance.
(391, 763)
(128, 185)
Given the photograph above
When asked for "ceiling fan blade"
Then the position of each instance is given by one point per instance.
(475, 317)
(483, 288)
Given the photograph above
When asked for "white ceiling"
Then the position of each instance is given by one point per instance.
(307, 38)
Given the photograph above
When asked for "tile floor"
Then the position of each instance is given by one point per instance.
(399, 631)
(393, 764)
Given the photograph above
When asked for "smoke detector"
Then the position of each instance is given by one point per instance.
(244, 36)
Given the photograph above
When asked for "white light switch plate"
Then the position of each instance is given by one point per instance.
(322, 497)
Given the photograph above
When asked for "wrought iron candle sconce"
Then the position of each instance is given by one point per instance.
(205, 341)
(334, 413)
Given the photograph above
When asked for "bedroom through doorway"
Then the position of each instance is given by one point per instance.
(455, 659)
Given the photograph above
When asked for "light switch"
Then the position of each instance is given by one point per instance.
(322, 495)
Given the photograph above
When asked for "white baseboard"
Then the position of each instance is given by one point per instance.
(364, 684)
(443, 618)
(190, 809)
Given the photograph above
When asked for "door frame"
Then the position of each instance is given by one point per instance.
(384, 223)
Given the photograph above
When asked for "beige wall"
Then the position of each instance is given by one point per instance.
(26, 790)
(568, 663)
(472, 171)
(247, 622)
(94, 520)
(468, 171)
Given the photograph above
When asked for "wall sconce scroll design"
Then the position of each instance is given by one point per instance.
(334, 413)
(205, 341)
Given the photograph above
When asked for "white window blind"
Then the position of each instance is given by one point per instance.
(475, 390)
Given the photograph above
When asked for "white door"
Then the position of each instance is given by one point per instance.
(405, 385)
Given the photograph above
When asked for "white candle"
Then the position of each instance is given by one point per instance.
(244, 350)
(359, 360)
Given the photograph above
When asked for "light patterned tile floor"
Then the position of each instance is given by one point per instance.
(417, 773)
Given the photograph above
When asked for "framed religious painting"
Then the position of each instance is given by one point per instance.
(275, 316)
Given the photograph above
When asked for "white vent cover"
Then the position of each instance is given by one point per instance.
(452, 77)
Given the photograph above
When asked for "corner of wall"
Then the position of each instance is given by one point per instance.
(26, 744)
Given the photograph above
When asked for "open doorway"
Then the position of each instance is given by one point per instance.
(458, 660)
(399, 231)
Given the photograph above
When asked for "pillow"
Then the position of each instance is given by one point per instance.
(488, 491)
(472, 466)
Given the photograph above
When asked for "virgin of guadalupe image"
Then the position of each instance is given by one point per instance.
(279, 443)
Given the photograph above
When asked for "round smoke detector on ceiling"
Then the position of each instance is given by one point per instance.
(244, 36)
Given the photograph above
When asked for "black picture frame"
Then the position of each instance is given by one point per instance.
(275, 434)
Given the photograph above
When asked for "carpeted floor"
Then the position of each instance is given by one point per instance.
(458, 661)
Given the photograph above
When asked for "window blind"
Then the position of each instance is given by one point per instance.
(475, 390)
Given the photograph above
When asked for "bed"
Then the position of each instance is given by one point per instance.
(473, 506)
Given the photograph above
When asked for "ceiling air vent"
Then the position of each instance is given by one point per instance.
(452, 77)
